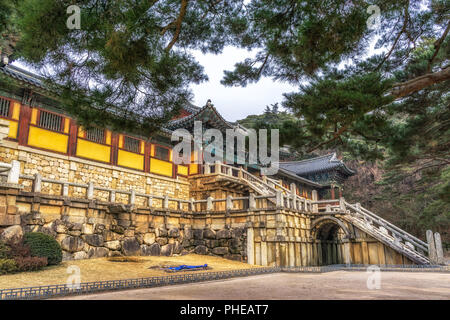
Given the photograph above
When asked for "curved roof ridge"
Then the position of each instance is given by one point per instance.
(330, 155)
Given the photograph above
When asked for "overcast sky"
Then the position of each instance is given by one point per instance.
(235, 103)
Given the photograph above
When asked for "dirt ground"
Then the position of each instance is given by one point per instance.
(299, 286)
(102, 269)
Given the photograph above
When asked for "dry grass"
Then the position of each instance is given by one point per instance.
(102, 269)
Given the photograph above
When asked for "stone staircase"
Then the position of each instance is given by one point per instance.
(387, 233)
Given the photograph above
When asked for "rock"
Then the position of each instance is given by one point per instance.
(76, 226)
(98, 252)
(94, 240)
(60, 227)
(201, 250)
(129, 233)
(87, 229)
(155, 249)
(161, 241)
(212, 243)
(223, 234)
(110, 236)
(173, 233)
(117, 229)
(199, 242)
(161, 232)
(188, 234)
(149, 238)
(167, 250)
(198, 234)
(75, 233)
(209, 234)
(66, 256)
(11, 233)
(131, 247)
(72, 244)
(177, 248)
(220, 251)
(99, 228)
(115, 254)
(80, 255)
(237, 232)
(113, 245)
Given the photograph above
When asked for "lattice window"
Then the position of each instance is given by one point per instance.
(50, 121)
(162, 153)
(95, 135)
(131, 144)
(4, 107)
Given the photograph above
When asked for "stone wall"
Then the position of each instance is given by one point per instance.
(71, 169)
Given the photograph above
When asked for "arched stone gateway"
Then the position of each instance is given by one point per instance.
(331, 237)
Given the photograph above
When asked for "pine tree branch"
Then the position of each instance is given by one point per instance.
(437, 46)
(336, 135)
(402, 89)
(183, 9)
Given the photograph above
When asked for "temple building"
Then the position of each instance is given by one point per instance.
(103, 193)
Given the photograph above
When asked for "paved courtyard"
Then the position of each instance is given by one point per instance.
(294, 286)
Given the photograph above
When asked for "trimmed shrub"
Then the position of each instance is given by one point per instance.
(43, 245)
(7, 266)
(30, 263)
(5, 250)
(18, 249)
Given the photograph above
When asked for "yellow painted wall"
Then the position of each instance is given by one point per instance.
(130, 160)
(34, 112)
(46, 139)
(193, 168)
(161, 167)
(16, 111)
(66, 125)
(13, 125)
(94, 151)
(183, 170)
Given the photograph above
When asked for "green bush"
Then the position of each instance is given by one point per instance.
(43, 245)
(7, 266)
(5, 250)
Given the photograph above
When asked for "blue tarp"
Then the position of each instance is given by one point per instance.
(183, 266)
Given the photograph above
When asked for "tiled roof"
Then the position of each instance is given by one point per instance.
(319, 164)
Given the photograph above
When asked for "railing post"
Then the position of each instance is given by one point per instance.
(132, 198)
(37, 183)
(90, 190)
(342, 204)
(229, 203)
(251, 201)
(65, 189)
(191, 205)
(217, 167)
(14, 172)
(166, 202)
(439, 250)
(315, 197)
(207, 168)
(431, 246)
(240, 173)
(209, 204)
(112, 196)
(279, 200)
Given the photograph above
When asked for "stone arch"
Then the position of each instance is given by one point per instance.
(330, 235)
(318, 223)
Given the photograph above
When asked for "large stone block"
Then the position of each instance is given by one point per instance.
(131, 247)
(173, 233)
(98, 252)
(151, 250)
(220, 250)
(201, 250)
(223, 234)
(209, 234)
(149, 238)
(72, 244)
(94, 240)
(167, 250)
(10, 233)
(113, 245)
